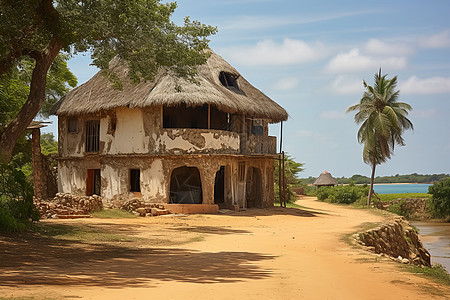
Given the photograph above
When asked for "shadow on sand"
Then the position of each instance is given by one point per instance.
(37, 260)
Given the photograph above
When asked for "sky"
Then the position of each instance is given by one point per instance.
(311, 57)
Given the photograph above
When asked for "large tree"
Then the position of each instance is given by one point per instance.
(383, 120)
(138, 31)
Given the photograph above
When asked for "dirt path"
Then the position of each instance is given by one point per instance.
(257, 254)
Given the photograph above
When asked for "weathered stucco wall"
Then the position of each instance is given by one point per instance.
(129, 135)
(156, 172)
(178, 141)
(135, 139)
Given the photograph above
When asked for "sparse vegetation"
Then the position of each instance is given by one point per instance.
(437, 272)
(112, 214)
(390, 197)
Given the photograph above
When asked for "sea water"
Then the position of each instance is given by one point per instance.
(400, 188)
(436, 239)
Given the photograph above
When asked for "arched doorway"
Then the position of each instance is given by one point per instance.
(253, 191)
(219, 186)
(186, 186)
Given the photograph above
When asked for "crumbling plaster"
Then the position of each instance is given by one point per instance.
(139, 142)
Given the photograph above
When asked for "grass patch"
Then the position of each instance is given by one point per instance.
(437, 273)
(112, 214)
(80, 233)
(288, 205)
(390, 197)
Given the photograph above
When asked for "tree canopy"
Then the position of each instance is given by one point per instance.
(138, 31)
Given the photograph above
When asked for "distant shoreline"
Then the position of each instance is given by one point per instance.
(397, 183)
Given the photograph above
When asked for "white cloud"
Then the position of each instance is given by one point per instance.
(265, 21)
(439, 40)
(377, 47)
(427, 113)
(432, 85)
(269, 52)
(333, 115)
(354, 61)
(347, 85)
(288, 83)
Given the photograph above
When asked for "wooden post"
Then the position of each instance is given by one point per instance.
(209, 116)
(283, 180)
(279, 180)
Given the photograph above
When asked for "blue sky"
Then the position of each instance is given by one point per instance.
(311, 58)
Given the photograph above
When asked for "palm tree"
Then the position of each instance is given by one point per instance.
(383, 121)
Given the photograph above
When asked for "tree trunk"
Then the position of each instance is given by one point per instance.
(36, 98)
(371, 183)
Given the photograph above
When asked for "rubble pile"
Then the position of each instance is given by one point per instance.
(65, 206)
(144, 209)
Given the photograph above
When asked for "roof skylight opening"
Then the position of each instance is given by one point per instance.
(228, 80)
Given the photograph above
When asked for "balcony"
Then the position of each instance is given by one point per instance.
(258, 145)
(197, 141)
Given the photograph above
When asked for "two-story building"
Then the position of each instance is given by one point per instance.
(170, 140)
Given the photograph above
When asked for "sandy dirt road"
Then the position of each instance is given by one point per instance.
(257, 254)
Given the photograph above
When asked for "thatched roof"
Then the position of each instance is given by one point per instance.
(97, 94)
(325, 178)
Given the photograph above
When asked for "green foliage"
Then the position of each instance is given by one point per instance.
(390, 197)
(140, 32)
(17, 211)
(291, 171)
(48, 144)
(15, 87)
(344, 194)
(407, 178)
(440, 199)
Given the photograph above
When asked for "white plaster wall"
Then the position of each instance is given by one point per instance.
(153, 184)
(129, 136)
(70, 180)
(111, 184)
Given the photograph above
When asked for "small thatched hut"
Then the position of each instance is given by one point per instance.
(170, 140)
(325, 179)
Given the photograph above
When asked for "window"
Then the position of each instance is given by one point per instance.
(72, 125)
(183, 116)
(113, 123)
(257, 127)
(228, 80)
(92, 136)
(135, 180)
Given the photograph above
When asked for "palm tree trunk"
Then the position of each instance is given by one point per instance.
(371, 183)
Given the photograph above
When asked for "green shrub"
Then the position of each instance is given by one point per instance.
(440, 199)
(17, 211)
(344, 194)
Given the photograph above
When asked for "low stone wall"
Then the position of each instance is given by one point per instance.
(68, 206)
(396, 239)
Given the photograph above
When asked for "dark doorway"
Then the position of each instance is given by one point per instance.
(253, 193)
(186, 186)
(219, 186)
(93, 182)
